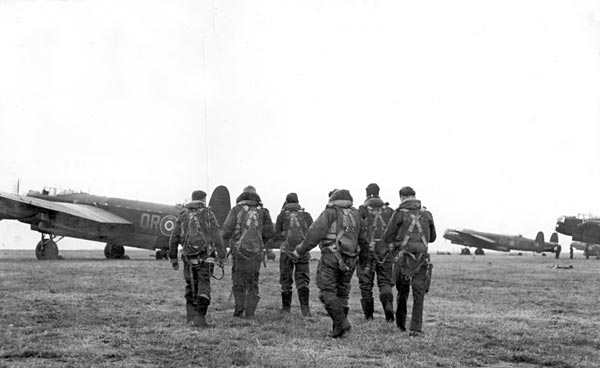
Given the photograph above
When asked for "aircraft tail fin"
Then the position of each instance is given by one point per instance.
(539, 239)
(220, 203)
(554, 238)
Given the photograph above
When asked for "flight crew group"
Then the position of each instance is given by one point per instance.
(374, 240)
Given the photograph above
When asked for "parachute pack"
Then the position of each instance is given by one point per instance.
(296, 229)
(346, 227)
(250, 224)
(378, 224)
(414, 222)
(196, 232)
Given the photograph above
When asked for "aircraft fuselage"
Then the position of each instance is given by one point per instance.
(150, 223)
(581, 229)
(497, 242)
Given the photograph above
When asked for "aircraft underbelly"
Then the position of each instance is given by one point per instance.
(466, 243)
(122, 236)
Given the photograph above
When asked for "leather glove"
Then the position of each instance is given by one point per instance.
(295, 254)
(174, 264)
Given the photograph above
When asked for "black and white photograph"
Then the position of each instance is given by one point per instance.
(315, 183)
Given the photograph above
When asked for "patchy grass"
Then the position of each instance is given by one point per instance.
(490, 311)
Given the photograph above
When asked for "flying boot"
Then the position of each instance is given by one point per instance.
(239, 298)
(286, 301)
(303, 297)
(200, 317)
(251, 304)
(387, 301)
(341, 325)
(367, 307)
(401, 315)
(190, 312)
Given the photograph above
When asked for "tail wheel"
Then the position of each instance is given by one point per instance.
(46, 249)
(114, 251)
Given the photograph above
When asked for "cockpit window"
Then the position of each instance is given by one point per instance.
(52, 191)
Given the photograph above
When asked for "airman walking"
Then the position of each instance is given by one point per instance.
(410, 230)
(197, 230)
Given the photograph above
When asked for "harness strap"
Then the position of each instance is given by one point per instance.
(300, 224)
(373, 241)
(243, 231)
(401, 266)
(242, 255)
(194, 220)
(414, 222)
(382, 261)
(338, 256)
(195, 262)
(420, 228)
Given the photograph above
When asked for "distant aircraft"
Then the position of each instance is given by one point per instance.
(118, 222)
(501, 243)
(581, 228)
(592, 249)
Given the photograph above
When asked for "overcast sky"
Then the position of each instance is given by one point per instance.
(489, 110)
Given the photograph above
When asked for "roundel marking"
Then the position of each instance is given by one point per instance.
(512, 243)
(167, 224)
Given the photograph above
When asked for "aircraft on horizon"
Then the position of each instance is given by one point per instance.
(592, 249)
(117, 222)
(582, 228)
(500, 242)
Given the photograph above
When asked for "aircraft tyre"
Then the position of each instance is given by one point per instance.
(479, 252)
(49, 250)
(114, 251)
(162, 254)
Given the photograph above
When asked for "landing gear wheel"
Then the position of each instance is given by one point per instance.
(114, 251)
(479, 252)
(162, 254)
(46, 249)
(465, 251)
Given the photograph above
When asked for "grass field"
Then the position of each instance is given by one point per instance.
(485, 311)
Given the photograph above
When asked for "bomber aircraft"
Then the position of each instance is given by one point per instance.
(581, 228)
(500, 242)
(117, 222)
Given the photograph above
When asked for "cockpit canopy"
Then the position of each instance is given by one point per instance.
(53, 191)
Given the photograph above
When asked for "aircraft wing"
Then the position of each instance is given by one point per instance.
(14, 206)
(470, 238)
(479, 237)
